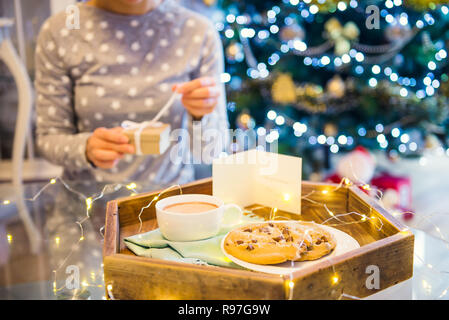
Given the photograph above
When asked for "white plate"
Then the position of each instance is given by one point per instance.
(344, 241)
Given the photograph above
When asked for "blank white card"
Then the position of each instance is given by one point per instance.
(259, 177)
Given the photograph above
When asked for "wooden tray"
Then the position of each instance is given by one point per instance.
(391, 250)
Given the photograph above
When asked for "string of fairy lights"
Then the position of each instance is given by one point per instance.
(273, 215)
(335, 278)
(345, 182)
(176, 186)
(88, 202)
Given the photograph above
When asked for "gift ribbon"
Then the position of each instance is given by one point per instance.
(139, 126)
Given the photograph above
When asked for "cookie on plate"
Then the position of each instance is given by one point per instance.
(275, 242)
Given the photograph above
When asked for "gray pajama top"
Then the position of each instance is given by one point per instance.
(115, 68)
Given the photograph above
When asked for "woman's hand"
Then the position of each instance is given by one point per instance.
(199, 96)
(106, 146)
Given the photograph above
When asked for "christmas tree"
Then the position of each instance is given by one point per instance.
(323, 76)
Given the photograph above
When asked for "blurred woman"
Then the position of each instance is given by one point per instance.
(122, 63)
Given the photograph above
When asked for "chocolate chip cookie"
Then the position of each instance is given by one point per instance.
(276, 242)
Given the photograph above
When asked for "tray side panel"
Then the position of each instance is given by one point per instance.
(315, 194)
(353, 276)
(111, 233)
(144, 279)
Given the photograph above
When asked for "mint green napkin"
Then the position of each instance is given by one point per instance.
(152, 244)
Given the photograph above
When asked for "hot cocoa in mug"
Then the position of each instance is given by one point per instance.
(191, 217)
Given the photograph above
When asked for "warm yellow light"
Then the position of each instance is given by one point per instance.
(244, 118)
(156, 197)
(275, 210)
(426, 286)
(84, 283)
(366, 187)
(335, 279)
(131, 186)
(92, 275)
(57, 240)
(109, 287)
(54, 286)
(9, 237)
(81, 238)
(347, 182)
(363, 218)
(6, 202)
(325, 191)
(53, 181)
(89, 203)
(291, 284)
(286, 197)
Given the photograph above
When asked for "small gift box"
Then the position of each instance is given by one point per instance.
(148, 138)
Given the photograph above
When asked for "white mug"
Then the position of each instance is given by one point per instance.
(194, 226)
